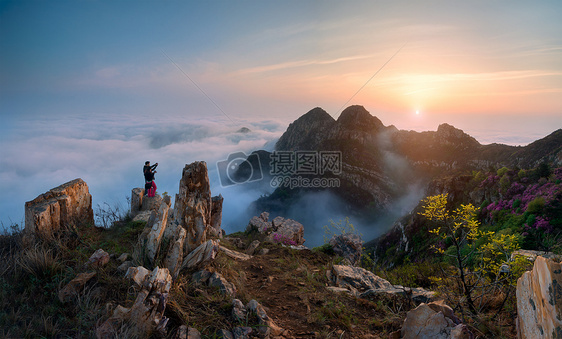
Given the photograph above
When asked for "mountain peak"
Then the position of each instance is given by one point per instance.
(357, 117)
(306, 131)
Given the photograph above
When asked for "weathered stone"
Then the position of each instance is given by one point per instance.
(137, 274)
(174, 257)
(225, 334)
(146, 316)
(124, 267)
(532, 255)
(151, 203)
(200, 278)
(238, 243)
(364, 284)
(98, 259)
(75, 286)
(181, 333)
(202, 255)
(149, 241)
(252, 247)
(266, 325)
(338, 289)
(263, 251)
(143, 216)
(539, 301)
(234, 254)
(216, 216)
(279, 230)
(289, 229)
(260, 224)
(193, 333)
(241, 332)
(238, 310)
(184, 332)
(192, 208)
(434, 320)
(137, 195)
(348, 246)
(62, 206)
(224, 286)
(123, 257)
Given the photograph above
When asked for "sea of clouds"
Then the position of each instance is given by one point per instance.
(108, 152)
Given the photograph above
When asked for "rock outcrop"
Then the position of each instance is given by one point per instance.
(279, 230)
(434, 320)
(193, 205)
(348, 246)
(75, 286)
(62, 206)
(539, 301)
(184, 231)
(148, 243)
(146, 316)
(365, 284)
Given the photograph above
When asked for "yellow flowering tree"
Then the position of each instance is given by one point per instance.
(460, 227)
(493, 266)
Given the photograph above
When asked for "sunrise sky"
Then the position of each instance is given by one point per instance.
(103, 73)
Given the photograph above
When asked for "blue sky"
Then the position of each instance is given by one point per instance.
(86, 86)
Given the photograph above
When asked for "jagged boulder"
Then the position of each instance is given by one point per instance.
(137, 195)
(348, 246)
(213, 279)
(260, 224)
(148, 243)
(174, 258)
(434, 320)
(365, 284)
(539, 301)
(151, 203)
(185, 332)
(216, 216)
(224, 286)
(279, 230)
(266, 326)
(98, 259)
(74, 287)
(288, 229)
(146, 316)
(62, 206)
(202, 255)
(194, 209)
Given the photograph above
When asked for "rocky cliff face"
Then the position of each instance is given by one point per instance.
(62, 206)
(380, 163)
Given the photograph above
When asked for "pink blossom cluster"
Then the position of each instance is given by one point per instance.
(283, 239)
(540, 224)
(547, 190)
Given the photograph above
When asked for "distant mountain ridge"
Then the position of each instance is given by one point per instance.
(380, 162)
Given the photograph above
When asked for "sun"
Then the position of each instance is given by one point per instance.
(417, 112)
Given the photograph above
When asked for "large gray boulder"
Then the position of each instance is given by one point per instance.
(433, 321)
(365, 284)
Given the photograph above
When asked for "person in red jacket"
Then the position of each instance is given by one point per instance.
(150, 185)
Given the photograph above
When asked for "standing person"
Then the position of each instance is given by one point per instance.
(150, 185)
